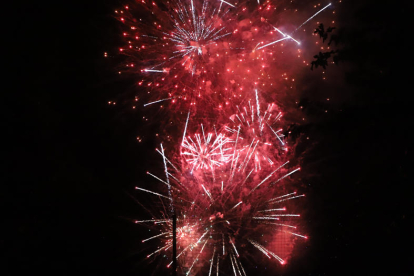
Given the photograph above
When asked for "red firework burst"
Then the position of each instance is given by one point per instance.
(207, 57)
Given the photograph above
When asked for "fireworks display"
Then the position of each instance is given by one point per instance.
(220, 219)
(222, 69)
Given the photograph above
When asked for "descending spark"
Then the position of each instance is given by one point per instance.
(168, 180)
(155, 71)
(185, 128)
(232, 264)
(275, 132)
(271, 210)
(279, 197)
(234, 247)
(156, 236)
(312, 16)
(269, 218)
(158, 101)
(212, 261)
(162, 248)
(274, 202)
(255, 244)
(228, 3)
(208, 193)
(281, 224)
(151, 192)
(236, 205)
(218, 264)
(286, 175)
(159, 179)
(305, 237)
(153, 220)
(196, 259)
(268, 177)
(271, 43)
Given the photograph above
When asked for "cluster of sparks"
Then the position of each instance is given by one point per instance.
(219, 218)
(205, 152)
(225, 182)
(256, 128)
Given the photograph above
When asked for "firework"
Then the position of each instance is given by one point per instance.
(199, 52)
(206, 150)
(226, 182)
(220, 220)
(260, 143)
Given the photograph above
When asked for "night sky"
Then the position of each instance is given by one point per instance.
(71, 161)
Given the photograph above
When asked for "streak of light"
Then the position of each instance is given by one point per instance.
(165, 247)
(236, 205)
(312, 17)
(268, 177)
(228, 3)
(158, 101)
(156, 236)
(286, 175)
(274, 202)
(271, 43)
(151, 192)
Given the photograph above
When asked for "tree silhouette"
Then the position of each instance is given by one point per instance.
(322, 57)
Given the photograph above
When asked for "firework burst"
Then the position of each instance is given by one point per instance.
(211, 52)
(260, 143)
(219, 220)
(206, 150)
(225, 186)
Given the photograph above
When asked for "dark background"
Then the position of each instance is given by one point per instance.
(71, 160)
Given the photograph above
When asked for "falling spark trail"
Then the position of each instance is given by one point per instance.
(286, 195)
(168, 180)
(281, 224)
(228, 3)
(169, 162)
(267, 178)
(271, 210)
(205, 233)
(185, 128)
(185, 249)
(151, 192)
(275, 132)
(305, 237)
(218, 263)
(158, 101)
(234, 246)
(153, 237)
(234, 153)
(274, 202)
(153, 220)
(165, 247)
(212, 261)
(232, 264)
(286, 175)
(258, 106)
(196, 259)
(284, 215)
(312, 17)
(159, 179)
(222, 236)
(258, 246)
(269, 218)
(271, 43)
(208, 193)
(154, 71)
(236, 205)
